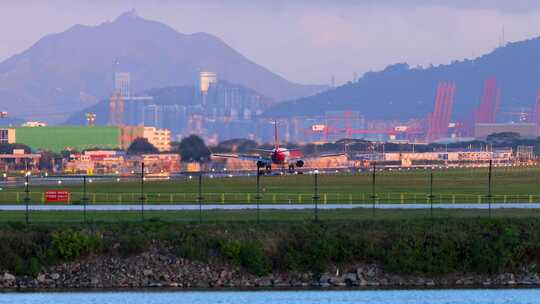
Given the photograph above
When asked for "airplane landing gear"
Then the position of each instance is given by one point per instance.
(291, 169)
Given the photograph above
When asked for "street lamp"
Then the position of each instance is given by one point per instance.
(200, 197)
(373, 195)
(316, 195)
(258, 196)
(27, 195)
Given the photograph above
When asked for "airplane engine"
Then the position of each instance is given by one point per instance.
(300, 163)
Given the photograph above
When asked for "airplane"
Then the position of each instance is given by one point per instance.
(278, 156)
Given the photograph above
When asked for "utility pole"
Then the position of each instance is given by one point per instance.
(316, 195)
(27, 196)
(142, 192)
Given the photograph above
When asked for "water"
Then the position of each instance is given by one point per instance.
(500, 296)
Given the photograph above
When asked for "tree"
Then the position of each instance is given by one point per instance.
(141, 146)
(192, 148)
(503, 138)
(8, 148)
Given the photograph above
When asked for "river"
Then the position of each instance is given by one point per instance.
(478, 296)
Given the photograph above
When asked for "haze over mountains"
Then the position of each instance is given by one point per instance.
(66, 72)
(402, 92)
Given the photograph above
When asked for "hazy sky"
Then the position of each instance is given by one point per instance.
(305, 41)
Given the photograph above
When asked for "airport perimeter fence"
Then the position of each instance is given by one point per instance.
(198, 204)
(132, 198)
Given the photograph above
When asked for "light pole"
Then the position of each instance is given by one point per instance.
(84, 198)
(142, 191)
(258, 196)
(316, 195)
(431, 192)
(200, 197)
(373, 195)
(489, 195)
(27, 196)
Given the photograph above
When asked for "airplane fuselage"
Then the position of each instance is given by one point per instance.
(280, 156)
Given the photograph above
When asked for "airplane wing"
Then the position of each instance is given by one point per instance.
(333, 154)
(242, 157)
(263, 150)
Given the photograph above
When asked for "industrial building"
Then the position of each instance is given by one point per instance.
(58, 138)
(525, 130)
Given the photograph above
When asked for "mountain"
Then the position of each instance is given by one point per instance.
(66, 72)
(402, 92)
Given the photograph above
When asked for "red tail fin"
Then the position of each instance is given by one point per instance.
(276, 141)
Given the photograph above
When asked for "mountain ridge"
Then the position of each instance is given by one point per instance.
(65, 72)
(402, 92)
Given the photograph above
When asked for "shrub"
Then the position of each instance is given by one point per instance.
(253, 258)
(70, 244)
(131, 244)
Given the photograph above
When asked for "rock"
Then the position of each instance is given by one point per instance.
(8, 277)
(41, 278)
(264, 283)
(324, 285)
(372, 271)
(350, 278)
(324, 279)
(337, 281)
(55, 276)
(148, 272)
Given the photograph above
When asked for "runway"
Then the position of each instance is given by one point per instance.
(240, 207)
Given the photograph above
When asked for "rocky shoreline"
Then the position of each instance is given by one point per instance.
(155, 269)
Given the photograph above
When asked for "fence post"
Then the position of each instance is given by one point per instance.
(530, 199)
(223, 198)
(453, 198)
(350, 199)
(402, 198)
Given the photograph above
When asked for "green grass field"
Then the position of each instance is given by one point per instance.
(449, 186)
(250, 216)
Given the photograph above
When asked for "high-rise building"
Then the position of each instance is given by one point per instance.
(206, 79)
(122, 84)
(116, 110)
(153, 115)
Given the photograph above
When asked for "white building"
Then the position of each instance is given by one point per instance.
(122, 83)
(206, 79)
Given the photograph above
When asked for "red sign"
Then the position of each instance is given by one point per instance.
(55, 196)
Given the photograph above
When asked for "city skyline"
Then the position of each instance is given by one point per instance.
(304, 42)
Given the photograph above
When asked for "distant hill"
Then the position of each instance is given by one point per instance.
(66, 72)
(401, 92)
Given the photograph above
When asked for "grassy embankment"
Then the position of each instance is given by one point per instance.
(403, 246)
